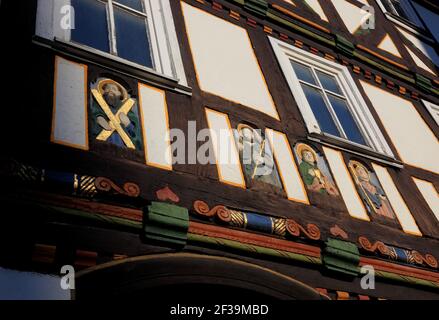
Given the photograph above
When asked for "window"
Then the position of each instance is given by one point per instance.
(402, 9)
(136, 32)
(430, 18)
(114, 27)
(328, 99)
(256, 156)
(402, 13)
(328, 103)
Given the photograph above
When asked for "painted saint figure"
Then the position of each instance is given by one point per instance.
(115, 115)
(256, 156)
(311, 170)
(370, 190)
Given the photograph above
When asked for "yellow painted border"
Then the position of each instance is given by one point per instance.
(352, 183)
(242, 186)
(306, 201)
(374, 165)
(253, 54)
(381, 42)
(52, 133)
(387, 131)
(145, 144)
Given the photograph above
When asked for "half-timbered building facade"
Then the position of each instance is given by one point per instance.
(259, 148)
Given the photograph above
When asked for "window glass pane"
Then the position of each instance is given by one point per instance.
(400, 10)
(320, 110)
(91, 24)
(329, 82)
(346, 119)
(387, 5)
(132, 38)
(303, 72)
(135, 4)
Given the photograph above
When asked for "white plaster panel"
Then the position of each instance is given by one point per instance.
(69, 122)
(155, 125)
(287, 167)
(225, 62)
(416, 143)
(402, 212)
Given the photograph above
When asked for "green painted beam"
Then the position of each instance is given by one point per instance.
(257, 7)
(113, 221)
(380, 66)
(224, 243)
(407, 280)
(230, 244)
(274, 15)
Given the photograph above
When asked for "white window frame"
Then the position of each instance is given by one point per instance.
(414, 19)
(360, 111)
(433, 109)
(165, 51)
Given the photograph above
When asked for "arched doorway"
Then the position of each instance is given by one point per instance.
(188, 276)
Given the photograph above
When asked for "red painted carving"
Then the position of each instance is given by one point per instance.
(128, 189)
(336, 231)
(166, 194)
(311, 231)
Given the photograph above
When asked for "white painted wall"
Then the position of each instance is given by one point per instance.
(430, 194)
(288, 171)
(155, 125)
(69, 119)
(416, 143)
(388, 45)
(353, 16)
(315, 5)
(226, 153)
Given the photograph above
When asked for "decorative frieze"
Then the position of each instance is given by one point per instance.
(398, 254)
(255, 222)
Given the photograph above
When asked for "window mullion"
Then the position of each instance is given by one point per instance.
(112, 27)
(310, 84)
(152, 25)
(335, 94)
(355, 114)
(130, 10)
(392, 8)
(329, 105)
(334, 115)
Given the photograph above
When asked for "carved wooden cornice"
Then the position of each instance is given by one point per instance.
(256, 222)
(398, 254)
(128, 189)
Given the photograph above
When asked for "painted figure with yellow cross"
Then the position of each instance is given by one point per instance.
(115, 115)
